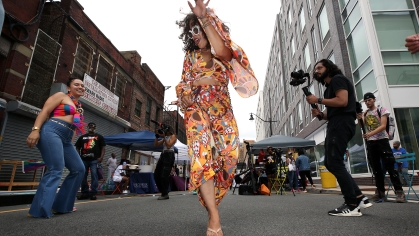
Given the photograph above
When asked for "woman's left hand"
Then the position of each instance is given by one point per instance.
(200, 7)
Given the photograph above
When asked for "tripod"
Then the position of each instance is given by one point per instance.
(249, 170)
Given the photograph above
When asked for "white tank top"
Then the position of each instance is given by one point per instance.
(164, 144)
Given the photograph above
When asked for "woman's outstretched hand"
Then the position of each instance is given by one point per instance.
(200, 7)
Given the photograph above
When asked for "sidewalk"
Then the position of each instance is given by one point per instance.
(368, 190)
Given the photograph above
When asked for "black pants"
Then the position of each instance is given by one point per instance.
(162, 171)
(340, 130)
(303, 175)
(379, 151)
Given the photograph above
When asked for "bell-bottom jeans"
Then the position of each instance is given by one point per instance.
(57, 151)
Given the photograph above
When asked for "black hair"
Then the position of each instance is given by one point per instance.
(331, 69)
(186, 37)
(91, 123)
(71, 79)
(301, 151)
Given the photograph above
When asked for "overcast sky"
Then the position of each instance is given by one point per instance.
(149, 28)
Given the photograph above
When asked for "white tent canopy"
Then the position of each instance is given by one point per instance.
(180, 157)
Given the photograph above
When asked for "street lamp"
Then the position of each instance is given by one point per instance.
(270, 121)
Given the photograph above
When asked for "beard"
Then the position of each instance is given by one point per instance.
(320, 78)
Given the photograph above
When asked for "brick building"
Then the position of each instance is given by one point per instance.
(42, 44)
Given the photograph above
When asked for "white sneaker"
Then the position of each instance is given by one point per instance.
(364, 203)
(125, 192)
(345, 210)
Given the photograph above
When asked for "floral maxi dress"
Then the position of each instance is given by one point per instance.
(211, 129)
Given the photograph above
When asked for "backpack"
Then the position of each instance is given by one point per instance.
(390, 126)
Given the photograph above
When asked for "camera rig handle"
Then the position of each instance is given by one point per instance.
(307, 93)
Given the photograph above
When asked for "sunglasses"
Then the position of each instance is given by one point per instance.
(195, 30)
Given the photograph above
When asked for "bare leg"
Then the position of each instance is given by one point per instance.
(208, 195)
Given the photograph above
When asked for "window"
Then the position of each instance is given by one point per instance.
(138, 105)
(367, 84)
(292, 47)
(332, 57)
(363, 70)
(148, 111)
(157, 115)
(314, 42)
(402, 74)
(297, 36)
(312, 92)
(307, 57)
(357, 48)
(300, 113)
(120, 89)
(302, 20)
(309, 8)
(292, 123)
(289, 17)
(104, 72)
(396, 25)
(324, 26)
(381, 5)
(283, 106)
(83, 59)
(353, 20)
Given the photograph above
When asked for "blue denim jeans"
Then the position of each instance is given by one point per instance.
(293, 180)
(57, 151)
(93, 174)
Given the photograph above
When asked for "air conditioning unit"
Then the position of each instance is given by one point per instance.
(22, 109)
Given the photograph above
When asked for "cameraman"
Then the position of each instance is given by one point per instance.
(166, 161)
(339, 99)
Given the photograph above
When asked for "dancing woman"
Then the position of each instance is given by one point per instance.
(211, 61)
(53, 133)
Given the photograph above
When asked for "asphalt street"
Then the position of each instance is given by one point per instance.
(304, 214)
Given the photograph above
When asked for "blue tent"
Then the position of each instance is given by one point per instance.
(140, 140)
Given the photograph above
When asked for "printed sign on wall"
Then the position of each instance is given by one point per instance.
(100, 96)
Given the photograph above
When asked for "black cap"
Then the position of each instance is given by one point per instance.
(91, 123)
(368, 95)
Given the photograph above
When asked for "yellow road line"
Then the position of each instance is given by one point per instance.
(86, 202)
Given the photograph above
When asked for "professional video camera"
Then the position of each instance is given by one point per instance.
(300, 77)
(163, 127)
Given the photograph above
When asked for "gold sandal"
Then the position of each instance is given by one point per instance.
(211, 232)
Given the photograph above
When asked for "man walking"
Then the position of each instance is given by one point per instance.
(91, 147)
(339, 99)
(375, 120)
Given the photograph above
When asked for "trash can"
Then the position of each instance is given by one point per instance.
(327, 178)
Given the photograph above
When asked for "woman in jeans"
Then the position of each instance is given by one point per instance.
(53, 137)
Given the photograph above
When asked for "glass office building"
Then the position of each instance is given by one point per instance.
(365, 38)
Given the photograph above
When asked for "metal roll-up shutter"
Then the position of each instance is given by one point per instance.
(104, 127)
(13, 147)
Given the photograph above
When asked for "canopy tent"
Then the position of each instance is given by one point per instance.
(282, 141)
(140, 140)
(181, 156)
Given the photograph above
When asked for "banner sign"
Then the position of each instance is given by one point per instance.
(100, 96)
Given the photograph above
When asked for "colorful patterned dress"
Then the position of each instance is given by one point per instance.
(211, 128)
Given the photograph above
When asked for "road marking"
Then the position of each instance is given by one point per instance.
(104, 200)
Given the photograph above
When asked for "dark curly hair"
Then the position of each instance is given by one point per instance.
(186, 37)
(331, 69)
